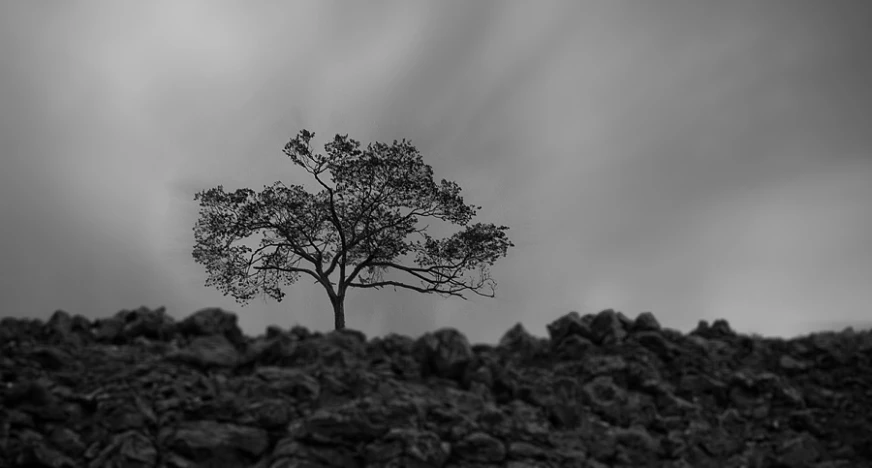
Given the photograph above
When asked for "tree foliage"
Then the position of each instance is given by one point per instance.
(356, 227)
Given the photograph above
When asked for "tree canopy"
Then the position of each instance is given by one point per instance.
(356, 227)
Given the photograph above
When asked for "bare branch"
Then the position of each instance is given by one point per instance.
(406, 286)
(290, 270)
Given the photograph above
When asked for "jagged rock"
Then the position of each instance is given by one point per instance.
(402, 447)
(656, 343)
(207, 352)
(518, 342)
(719, 329)
(444, 353)
(126, 326)
(645, 322)
(572, 347)
(608, 328)
(788, 363)
(139, 390)
(570, 324)
(595, 365)
(215, 442)
(213, 321)
(626, 322)
(60, 323)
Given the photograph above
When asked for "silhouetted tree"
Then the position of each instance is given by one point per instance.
(355, 225)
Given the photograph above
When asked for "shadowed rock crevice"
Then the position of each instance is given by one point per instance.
(141, 390)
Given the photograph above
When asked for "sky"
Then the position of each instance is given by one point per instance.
(697, 159)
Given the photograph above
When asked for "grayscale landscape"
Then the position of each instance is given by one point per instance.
(435, 233)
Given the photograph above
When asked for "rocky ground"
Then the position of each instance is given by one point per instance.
(142, 390)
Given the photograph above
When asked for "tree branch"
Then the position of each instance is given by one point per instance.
(290, 270)
(450, 292)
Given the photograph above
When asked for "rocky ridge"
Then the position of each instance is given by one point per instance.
(140, 389)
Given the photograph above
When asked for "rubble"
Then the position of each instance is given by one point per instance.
(141, 390)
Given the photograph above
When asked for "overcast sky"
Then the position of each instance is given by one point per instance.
(697, 159)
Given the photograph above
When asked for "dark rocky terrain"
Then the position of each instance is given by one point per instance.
(142, 390)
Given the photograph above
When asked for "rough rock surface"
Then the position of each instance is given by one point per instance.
(141, 390)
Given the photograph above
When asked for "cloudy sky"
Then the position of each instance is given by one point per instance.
(697, 159)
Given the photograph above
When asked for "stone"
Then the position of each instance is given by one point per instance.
(572, 347)
(570, 324)
(480, 447)
(645, 322)
(139, 389)
(207, 352)
(213, 321)
(607, 328)
(719, 329)
(444, 353)
(518, 341)
(656, 343)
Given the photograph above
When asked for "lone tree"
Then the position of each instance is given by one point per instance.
(355, 225)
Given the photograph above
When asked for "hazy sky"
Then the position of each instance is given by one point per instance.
(699, 159)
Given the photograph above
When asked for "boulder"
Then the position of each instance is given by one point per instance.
(213, 321)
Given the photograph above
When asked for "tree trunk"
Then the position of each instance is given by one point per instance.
(338, 312)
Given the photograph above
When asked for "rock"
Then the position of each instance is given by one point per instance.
(480, 447)
(572, 347)
(402, 447)
(719, 329)
(60, 323)
(140, 390)
(123, 328)
(216, 442)
(517, 341)
(645, 322)
(635, 445)
(207, 352)
(146, 323)
(213, 321)
(608, 328)
(570, 324)
(603, 365)
(606, 399)
(626, 322)
(656, 343)
(444, 353)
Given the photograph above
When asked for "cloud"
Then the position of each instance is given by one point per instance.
(696, 160)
